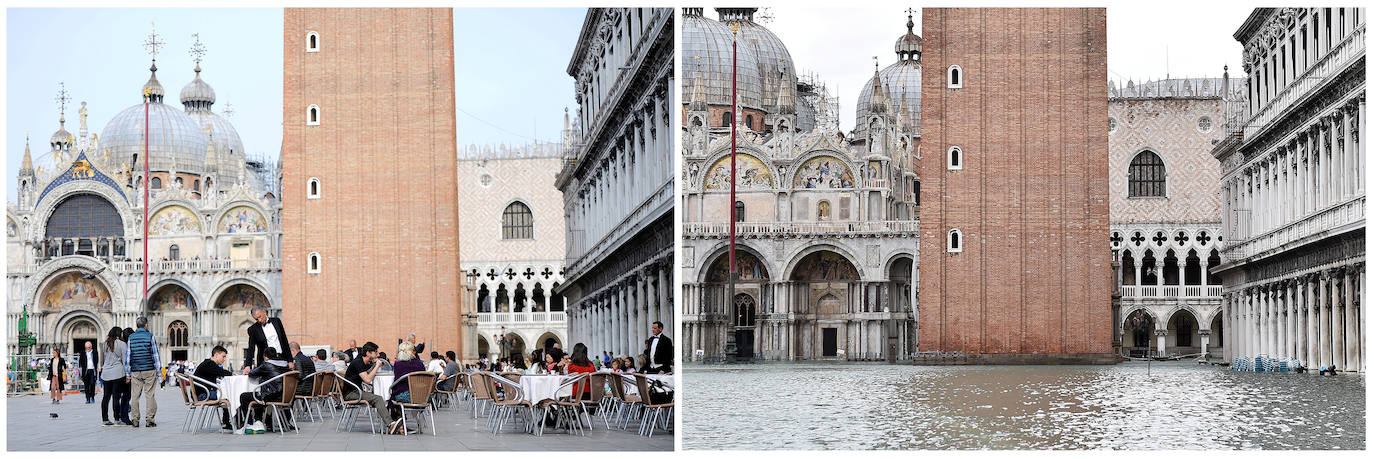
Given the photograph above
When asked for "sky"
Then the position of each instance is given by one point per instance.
(1195, 37)
(511, 85)
(512, 73)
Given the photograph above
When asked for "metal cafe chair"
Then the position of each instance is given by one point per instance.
(421, 386)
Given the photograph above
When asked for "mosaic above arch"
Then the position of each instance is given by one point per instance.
(72, 290)
(172, 298)
(750, 268)
(825, 265)
(172, 220)
(242, 219)
(750, 174)
(824, 172)
(242, 296)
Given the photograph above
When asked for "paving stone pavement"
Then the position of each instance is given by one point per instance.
(78, 427)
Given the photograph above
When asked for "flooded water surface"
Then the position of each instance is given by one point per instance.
(1128, 406)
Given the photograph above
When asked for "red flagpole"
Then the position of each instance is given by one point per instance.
(146, 181)
(734, 107)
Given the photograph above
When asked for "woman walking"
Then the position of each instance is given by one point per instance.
(57, 375)
(113, 377)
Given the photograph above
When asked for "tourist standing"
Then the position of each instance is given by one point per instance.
(89, 362)
(116, 381)
(142, 362)
(57, 375)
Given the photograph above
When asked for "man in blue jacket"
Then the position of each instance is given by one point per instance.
(141, 362)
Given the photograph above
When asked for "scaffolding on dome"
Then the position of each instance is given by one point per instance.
(813, 92)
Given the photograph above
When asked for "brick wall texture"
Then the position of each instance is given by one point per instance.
(386, 225)
(1032, 199)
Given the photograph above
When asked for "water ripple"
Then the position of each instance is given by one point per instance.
(1127, 406)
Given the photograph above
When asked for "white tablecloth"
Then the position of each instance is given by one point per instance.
(381, 385)
(230, 387)
(543, 387)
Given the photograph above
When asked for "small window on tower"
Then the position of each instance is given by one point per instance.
(956, 77)
(956, 158)
(313, 188)
(312, 115)
(955, 241)
(312, 42)
(313, 263)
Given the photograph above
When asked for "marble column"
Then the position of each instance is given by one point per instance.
(1291, 299)
(1159, 337)
(1337, 318)
(1324, 319)
(1311, 304)
(1351, 329)
(1347, 170)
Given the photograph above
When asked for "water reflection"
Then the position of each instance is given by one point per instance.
(1127, 406)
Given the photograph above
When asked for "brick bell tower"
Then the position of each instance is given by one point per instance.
(1014, 265)
(369, 179)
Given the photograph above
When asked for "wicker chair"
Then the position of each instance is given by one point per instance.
(202, 409)
(351, 407)
(600, 397)
(289, 380)
(482, 395)
(569, 410)
(421, 387)
(624, 404)
(321, 388)
(505, 406)
(651, 411)
(450, 396)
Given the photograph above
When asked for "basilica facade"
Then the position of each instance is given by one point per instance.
(1293, 190)
(825, 221)
(1166, 214)
(74, 231)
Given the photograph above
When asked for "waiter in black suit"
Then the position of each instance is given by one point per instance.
(658, 351)
(89, 362)
(267, 332)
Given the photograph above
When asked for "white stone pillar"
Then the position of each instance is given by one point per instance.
(1291, 300)
(1347, 172)
(1337, 318)
(1312, 303)
(1160, 335)
(1350, 331)
(1324, 320)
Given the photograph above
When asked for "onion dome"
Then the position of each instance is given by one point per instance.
(173, 135)
(153, 89)
(197, 98)
(197, 94)
(909, 45)
(901, 82)
(61, 140)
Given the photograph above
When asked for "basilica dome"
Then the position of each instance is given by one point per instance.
(901, 81)
(763, 60)
(197, 97)
(174, 135)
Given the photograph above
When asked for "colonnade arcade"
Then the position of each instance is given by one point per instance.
(824, 308)
(1313, 316)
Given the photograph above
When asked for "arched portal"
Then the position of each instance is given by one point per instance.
(548, 339)
(483, 347)
(742, 309)
(1183, 333)
(77, 332)
(1138, 328)
(1216, 340)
